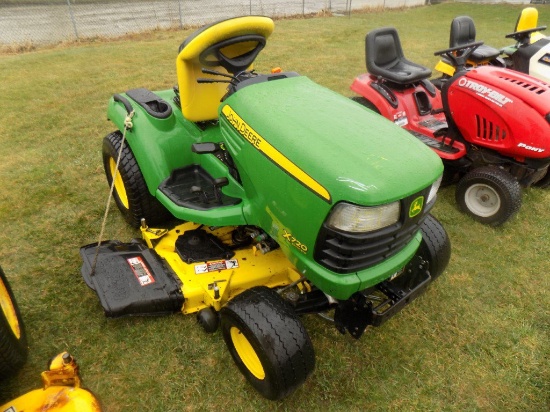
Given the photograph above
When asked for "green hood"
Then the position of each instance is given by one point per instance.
(356, 155)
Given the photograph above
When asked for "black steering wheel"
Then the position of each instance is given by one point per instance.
(523, 36)
(458, 55)
(235, 54)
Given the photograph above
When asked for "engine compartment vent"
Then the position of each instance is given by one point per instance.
(489, 131)
(534, 88)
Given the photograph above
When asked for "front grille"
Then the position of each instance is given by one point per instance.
(345, 252)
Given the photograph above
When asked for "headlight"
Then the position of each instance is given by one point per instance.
(434, 189)
(351, 218)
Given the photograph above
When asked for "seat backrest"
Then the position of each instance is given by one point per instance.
(463, 31)
(229, 47)
(386, 60)
(382, 49)
(528, 19)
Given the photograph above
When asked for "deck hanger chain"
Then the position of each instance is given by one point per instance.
(127, 126)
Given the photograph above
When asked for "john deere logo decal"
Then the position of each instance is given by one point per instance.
(416, 206)
(264, 147)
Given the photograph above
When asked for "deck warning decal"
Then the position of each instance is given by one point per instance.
(141, 271)
(216, 266)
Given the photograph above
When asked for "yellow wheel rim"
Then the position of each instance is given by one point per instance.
(247, 353)
(119, 184)
(9, 310)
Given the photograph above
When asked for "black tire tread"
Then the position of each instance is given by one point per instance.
(435, 246)
(508, 187)
(544, 183)
(141, 203)
(272, 320)
(13, 351)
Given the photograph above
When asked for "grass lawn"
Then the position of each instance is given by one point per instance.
(478, 340)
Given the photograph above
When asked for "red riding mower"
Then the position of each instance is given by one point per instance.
(489, 125)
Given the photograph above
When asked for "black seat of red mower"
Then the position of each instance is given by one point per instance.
(463, 31)
(385, 58)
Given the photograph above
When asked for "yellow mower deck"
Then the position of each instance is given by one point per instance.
(214, 283)
(201, 284)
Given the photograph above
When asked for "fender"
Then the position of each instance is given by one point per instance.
(159, 148)
(156, 158)
(382, 97)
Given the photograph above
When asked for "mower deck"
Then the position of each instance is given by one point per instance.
(186, 269)
(130, 279)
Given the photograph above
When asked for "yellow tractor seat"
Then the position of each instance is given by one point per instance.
(528, 19)
(228, 47)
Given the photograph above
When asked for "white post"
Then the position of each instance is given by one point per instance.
(72, 18)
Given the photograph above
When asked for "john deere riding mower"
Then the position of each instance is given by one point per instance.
(290, 198)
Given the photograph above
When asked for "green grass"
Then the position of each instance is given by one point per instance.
(478, 340)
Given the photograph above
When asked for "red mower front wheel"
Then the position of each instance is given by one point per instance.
(489, 195)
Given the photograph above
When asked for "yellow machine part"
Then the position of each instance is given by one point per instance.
(61, 391)
(7, 306)
(54, 399)
(449, 69)
(528, 19)
(200, 101)
(214, 283)
(445, 68)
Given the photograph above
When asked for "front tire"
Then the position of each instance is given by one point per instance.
(489, 195)
(267, 341)
(435, 246)
(13, 338)
(131, 194)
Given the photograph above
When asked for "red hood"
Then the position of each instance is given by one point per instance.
(503, 84)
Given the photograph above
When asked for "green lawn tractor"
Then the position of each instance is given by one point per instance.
(61, 390)
(288, 199)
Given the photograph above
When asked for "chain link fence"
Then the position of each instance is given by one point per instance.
(51, 21)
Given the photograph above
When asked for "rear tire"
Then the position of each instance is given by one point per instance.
(13, 338)
(489, 195)
(131, 194)
(544, 183)
(367, 103)
(435, 246)
(268, 342)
